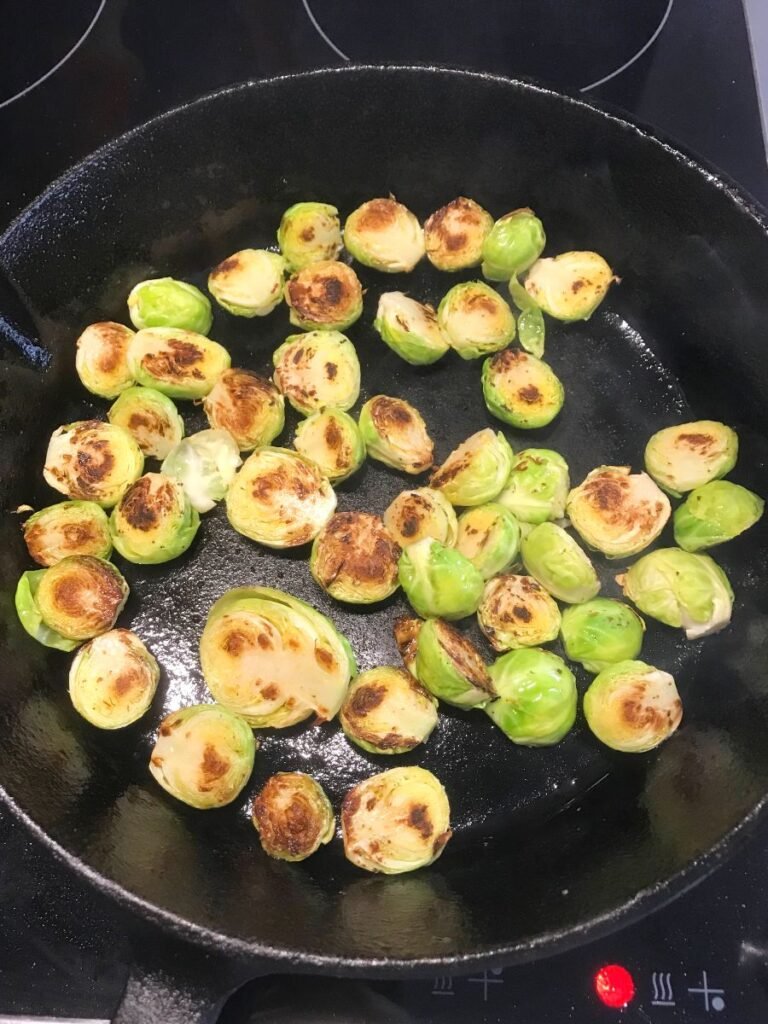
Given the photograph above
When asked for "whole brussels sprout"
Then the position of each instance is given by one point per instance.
(181, 364)
(395, 434)
(489, 536)
(537, 697)
(293, 816)
(537, 487)
(354, 559)
(450, 667)
(516, 611)
(248, 283)
(205, 464)
(406, 629)
(554, 558)
(475, 319)
(689, 455)
(246, 405)
(324, 296)
(521, 390)
(454, 234)
(318, 370)
(113, 679)
(165, 302)
(716, 512)
(514, 242)
(421, 512)
(92, 461)
(386, 711)
(410, 328)
(601, 632)
(102, 359)
(438, 581)
(570, 286)
(385, 235)
(332, 440)
(154, 521)
(309, 233)
(633, 707)
(69, 528)
(151, 418)
(476, 471)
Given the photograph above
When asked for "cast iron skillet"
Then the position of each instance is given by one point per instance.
(552, 846)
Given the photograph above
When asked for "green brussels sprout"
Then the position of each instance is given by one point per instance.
(154, 521)
(385, 235)
(689, 455)
(102, 359)
(205, 465)
(324, 297)
(617, 511)
(279, 498)
(716, 512)
(92, 461)
(601, 632)
(395, 434)
(293, 816)
(537, 697)
(680, 589)
(476, 471)
(354, 559)
(113, 679)
(203, 755)
(406, 630)
(396, 821)
(386, 711)
(475, 320)
(332, 440)
(181, 364)
(317, 371)
(516, 611)
(450, 667)
(309, 233)
(554, 558)
(454, 234)
(410, 328)
(632, 707)
(248, 283)
(537, 488)
(69, 528)
(439, 582)
(521, 390)
(304, 664)
(514, 242)
(489, 536)
(531, 329)
(246, 405)
(570, 286)
(421, 512)
(151, 418)
(165, 302)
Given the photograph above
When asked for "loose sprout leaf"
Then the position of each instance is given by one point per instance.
(531, 331)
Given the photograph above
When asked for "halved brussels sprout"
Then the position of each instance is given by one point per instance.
(601, 632)
(521, 390)
(273, 659)
(454, 234)
(181, 364)
(203, 755)
(680, 589)
(385, 235)
(293, 816)
(714, 513)
(410, 328)
(406, 630)
(689, 455)
(514, 242)
(450, 667)
(516, 611)
(476, 471)
(165, 302)
(570, 286)
(205, 465)
(439, 582)
(154, 521)
(279, 498)
(537, 697)
(554, 558)
(489, 536)
(633, 707)
(332, 440)
(395, 434)
(151, 418)
(309, 233)
(421, 512)
(617, 511)
(475, 319)
(92, 461)
(248, 406)
(318, 370)
(248, 283)
(69, 528)
(324, 297)
(396, 821)
(537, 488)
(386, 711)
(102, 358)
(113, 679)
(354, 559)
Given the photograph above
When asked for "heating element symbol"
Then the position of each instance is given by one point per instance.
(662, 989)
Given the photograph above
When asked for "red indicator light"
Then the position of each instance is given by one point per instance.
(614, 986)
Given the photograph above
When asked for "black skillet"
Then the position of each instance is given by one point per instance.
(552, 847)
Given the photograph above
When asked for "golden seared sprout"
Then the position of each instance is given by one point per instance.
(537, 488)
(92, 461)
(554, 558)
(406, 630)
(317, 371)
(570, 286)
(354, 558)
(246, 405)
(514, 242)
(633, 707)
(516, 611)
(601, 632)
(454, 234)
(248, 283)
(475, 320)
(332, 440)
(113, 679)
(617, 511)
(489, 536)
(396, 821)
(293, 816)
(181, 364)
(521, 390)
(450, 667)
(205, 464)
(165, 302)
(689, 455)
(273, 659)
(151, 418)
(714, 513)
(537, 697)
(102, 359)
(386, 711)
(324, 297)
(203, 755)
(439, 582)
(279, 498)
(309, 233)
(385, 235)
(421, 512)
(154, 521)
(475, 472)
(69, 528)
(396, 434)
(410, 328)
